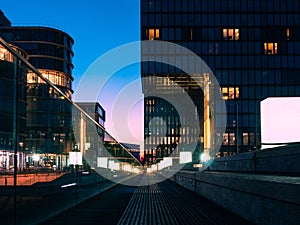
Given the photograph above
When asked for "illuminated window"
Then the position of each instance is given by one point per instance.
(57, 78)
(231, 34)
(288, 33)
(5, 55)
(152, 34)
(229, 139)
(270, 48)
(232, 139)
(225, 139)
(150, 102)
(230, 93)
(245, 139)
(237, 92)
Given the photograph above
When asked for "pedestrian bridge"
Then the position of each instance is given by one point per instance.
(158, 203)
(188, 197)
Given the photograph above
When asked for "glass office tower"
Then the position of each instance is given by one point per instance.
(49, 116)
(12, 98)
(251, 46)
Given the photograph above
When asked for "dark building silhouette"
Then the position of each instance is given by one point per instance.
(49, 115)
(252, 47)
(3, 20)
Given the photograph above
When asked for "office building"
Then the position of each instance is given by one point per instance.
(252, 47)
(49, 115)
(12, 98)
(89, 134)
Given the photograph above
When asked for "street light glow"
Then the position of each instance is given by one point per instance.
(36, 157)
(205, 157)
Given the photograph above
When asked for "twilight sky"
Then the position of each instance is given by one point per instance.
(97, 27)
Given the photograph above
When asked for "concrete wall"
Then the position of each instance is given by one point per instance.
(258, 198)
(277, 160)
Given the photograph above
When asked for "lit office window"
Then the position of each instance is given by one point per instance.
(230, 93)
(150, 102)
(229, 139)
(288, 33)
(232, 139)
(6, 55)
(245, 139)
(231, 34)
(237, 92)
(56, 77)
(152, 34)
(225, 139)
(270, 48)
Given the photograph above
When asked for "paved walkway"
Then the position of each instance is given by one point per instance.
(163, 203)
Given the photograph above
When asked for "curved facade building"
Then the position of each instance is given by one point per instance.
(49, 115)
(9, 69)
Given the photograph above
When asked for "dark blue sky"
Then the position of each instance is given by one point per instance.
(96, 25)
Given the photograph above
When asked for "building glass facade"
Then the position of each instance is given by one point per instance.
(252, 48)
(10, 69)
(49, 116)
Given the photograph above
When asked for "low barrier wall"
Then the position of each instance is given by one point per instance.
(278, 160)
(261, 199)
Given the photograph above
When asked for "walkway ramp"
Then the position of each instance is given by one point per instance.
(161, 203)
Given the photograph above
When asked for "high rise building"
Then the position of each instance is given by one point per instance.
(49, 115)
(252, 47)
(13, 75)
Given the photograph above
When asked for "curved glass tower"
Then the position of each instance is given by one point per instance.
(10, 69)
(49, 117)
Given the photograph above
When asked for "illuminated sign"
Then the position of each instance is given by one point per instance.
(75, 158)
(280, 119)
(185, 157)
(102, 162)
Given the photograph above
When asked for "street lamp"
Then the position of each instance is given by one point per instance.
(21, 144)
